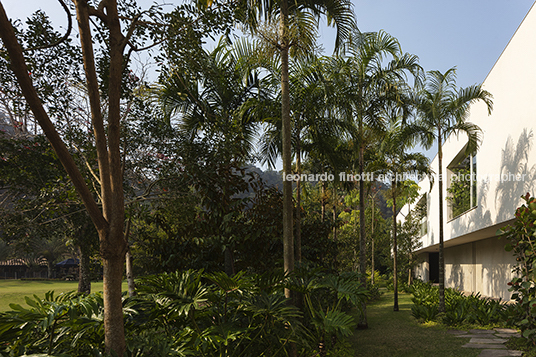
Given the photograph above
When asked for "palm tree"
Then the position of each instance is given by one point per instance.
(442, 110)
(314, 130)
(367, 85)
(297, 21)
(394, 161)
(217, 97)
(213, 94)
(51, 249)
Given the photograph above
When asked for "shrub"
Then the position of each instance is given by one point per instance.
(193, 313)
(459, 309)
(374, 292)
(424, 312)
(457, 313)
(424, 293)
(487, 311)
(521, 236)
(67, 323)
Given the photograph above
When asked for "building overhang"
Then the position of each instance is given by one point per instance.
(485, 233)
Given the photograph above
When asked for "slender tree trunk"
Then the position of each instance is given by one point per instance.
(288, 239)
(322, 201)
(298, 204)
(372, 241)
(335, 203)
(128, 265)
(228, 257)
(130, 275)
(84, 277)
(49, 269)
(441, 237)
(395, 249)
(362, 324)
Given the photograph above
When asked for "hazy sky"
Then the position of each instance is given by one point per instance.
(469, 34)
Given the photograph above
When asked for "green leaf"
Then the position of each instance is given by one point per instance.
(527, 333)
(31, 302)
(17, 307)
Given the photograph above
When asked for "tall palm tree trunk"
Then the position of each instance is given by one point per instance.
(322, 201)
(298, 204)
(288, 239)
(395, 249)
(441, 237)
(372, 242)
(362, 324)
(335, 203)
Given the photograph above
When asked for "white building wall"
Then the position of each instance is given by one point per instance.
(482, 266)
(506, 169)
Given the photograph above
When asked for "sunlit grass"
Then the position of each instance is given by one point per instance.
(399, 334)
(14, 291)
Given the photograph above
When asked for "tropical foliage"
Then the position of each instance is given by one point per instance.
(520, 237)
(193, 313)
(460, 309)
(164, 171)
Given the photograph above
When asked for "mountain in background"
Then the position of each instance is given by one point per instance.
(274, 178)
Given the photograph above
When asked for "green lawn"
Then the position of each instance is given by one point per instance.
(13, 291)
(399, 334)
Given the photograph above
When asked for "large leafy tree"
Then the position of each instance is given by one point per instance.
(442, 110)
(105, 64)
(40, 210)
(109, 220)
(52, 70)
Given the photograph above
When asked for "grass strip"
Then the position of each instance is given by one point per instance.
(14, 291)
(393, 333)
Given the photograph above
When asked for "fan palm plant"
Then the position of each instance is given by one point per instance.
(442, 109)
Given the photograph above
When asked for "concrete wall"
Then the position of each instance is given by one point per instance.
(506, 170)
(422, 270)
(507, 146)
(482, 266)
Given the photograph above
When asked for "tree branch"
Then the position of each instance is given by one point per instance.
(99, 11)
(94, 100)
(67, 33)
(18, 64)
